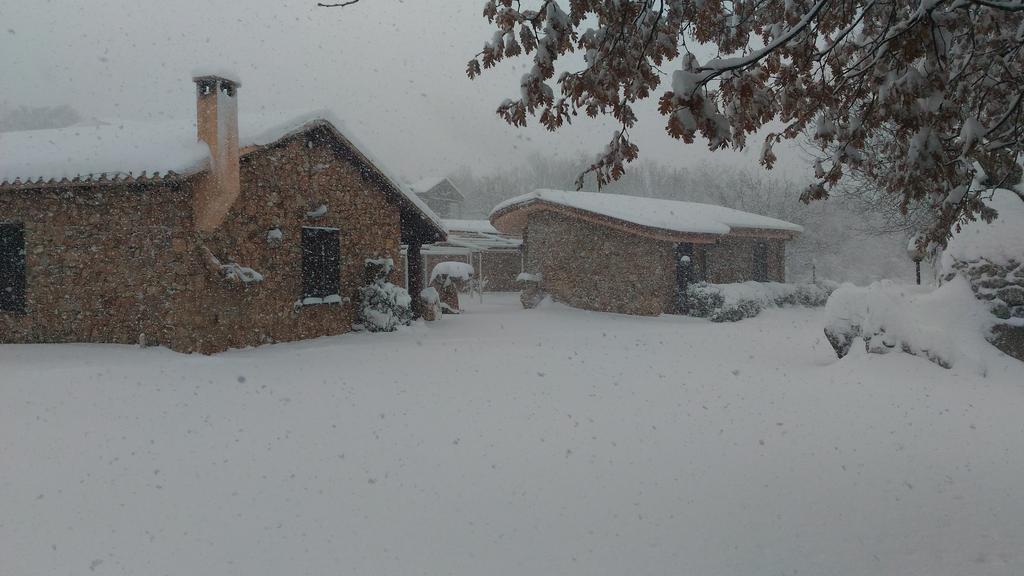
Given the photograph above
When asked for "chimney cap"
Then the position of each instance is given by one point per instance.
(216, 79)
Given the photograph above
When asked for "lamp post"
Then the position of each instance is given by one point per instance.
(916, 249)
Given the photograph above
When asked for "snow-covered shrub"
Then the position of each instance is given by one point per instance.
(431, 302)
(980, 297)
(383, 307)
(734, 302)
(945, 324)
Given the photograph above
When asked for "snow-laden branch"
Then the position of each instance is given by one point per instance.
(899, 92)
(718, 66)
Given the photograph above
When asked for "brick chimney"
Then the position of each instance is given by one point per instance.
(217, 123)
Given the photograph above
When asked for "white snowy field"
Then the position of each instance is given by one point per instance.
(511, 442)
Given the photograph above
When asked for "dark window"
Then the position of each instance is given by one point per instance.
(321, 262)
(12, 267)
(760, 261)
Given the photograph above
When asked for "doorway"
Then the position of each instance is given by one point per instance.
(684, 275)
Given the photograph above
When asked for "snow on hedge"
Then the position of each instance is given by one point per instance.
(980, 299)
(734, 302)
(947, 324)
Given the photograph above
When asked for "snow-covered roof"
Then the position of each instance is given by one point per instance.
(481, 226)
(669, 215)
(117, 149)
(475, 236)
(112, 148)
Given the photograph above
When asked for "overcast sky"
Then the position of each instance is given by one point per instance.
(394, 70)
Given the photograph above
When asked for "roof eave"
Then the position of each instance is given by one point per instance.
(100, 180)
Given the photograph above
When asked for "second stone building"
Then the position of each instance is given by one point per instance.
(636, 255)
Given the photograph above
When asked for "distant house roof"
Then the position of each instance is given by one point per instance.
(639, 213)
(482, 226)
(131, 151)
(426, 184)
(436, 184)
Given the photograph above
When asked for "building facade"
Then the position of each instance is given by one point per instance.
(270, 248)
(625, 254)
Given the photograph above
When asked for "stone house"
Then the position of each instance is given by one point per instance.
(443, 197)
(496, 258)
(124, 233)
(637, 255)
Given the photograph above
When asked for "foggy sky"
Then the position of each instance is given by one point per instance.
(394, 70)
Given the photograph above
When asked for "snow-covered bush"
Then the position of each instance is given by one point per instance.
(383, 307)
(734, 302)
(431, 302)
(980, 297)
(945, 324)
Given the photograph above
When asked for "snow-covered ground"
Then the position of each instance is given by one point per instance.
(503, 441)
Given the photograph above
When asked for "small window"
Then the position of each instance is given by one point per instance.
(321, 263)
(760, 261)
(12, 267)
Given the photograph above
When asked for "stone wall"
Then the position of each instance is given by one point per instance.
(597, 268)
(106, 264)
(280, 187)
(731, 259)
(103, 263)
(500, 270)
(1001, 287)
